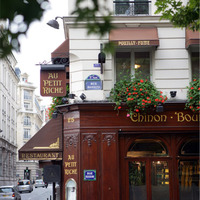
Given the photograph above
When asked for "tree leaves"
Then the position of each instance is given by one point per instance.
(179, 14)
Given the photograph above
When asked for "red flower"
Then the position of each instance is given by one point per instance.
(199, 88)
(192, 88)
(136, 110)
(141, 81)
(161, 92)
(129, 93)
(191, 97)
(140, 89)
(194, 79)
(119, 107)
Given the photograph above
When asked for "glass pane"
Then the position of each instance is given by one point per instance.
(195, 64)
(123, 63)
(190, 148)
(189, 180)
(147, 147)
(142, 63)
(160, 180)
(121, 7)
(137, 181)
(141, 7)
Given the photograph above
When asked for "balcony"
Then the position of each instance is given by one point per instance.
(131, 8)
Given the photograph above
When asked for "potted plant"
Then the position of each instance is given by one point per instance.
(193, 96)
(140, 95)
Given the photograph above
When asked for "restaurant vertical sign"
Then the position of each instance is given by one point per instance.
(52, 80)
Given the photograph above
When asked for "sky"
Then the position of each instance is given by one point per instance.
(41, 40)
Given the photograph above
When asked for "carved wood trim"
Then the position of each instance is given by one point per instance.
(91, 137)
(109, 137)
(71, 140)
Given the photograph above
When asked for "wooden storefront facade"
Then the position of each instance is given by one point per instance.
(109, 156)
(108, 145)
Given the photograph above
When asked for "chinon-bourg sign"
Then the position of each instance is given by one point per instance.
(53, 80)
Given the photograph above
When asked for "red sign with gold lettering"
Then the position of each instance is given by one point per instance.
(53, 83)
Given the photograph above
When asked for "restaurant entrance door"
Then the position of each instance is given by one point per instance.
(149, 179)
(148, 170)
(158, 168)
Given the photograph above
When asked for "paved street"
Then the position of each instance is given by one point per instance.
(39, 194)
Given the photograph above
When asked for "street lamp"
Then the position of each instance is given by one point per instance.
(53, 23)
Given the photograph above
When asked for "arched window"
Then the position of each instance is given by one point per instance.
(147, 147)
(190, 148)
(189, 169)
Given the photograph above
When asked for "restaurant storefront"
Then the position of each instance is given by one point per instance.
(107, 155)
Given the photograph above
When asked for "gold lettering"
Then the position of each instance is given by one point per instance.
(53, 75)
(156, 118)
(188, 118)
(195, 118)
(140, 117)
(163, 118)
(134, 115)
(70, 120)
(180, 116)
(70, 157)
(70, 171)
(70, 164)
(150, 118)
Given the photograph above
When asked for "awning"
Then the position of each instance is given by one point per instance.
(192, 38)
(46, 144)
(135, 37)
(62, 51)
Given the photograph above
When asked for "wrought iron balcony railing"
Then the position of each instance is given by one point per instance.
(131, 8)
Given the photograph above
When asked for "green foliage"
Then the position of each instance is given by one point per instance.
(140, 95)
(56, 101)
(21, 14)
(179, 14)
(193, 96)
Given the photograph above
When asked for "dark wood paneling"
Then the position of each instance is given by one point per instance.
(109, 166)
(90, 161)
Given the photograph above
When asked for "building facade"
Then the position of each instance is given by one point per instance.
(30, 119)
(110, 156)
(105, 154)
(8, 120)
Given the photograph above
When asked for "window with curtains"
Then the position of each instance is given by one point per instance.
(129, 61)
(131, 8)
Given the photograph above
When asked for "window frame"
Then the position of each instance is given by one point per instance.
(132, 51)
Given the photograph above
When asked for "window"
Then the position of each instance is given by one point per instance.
(26, 133)
(126, 7)
(27, 94)
(27, 121)
(188, 169)
(27, 106)
(195, 64)
(147, 147)
(127, 62)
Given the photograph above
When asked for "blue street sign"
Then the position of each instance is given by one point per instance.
(93, 82)
(89, 175)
